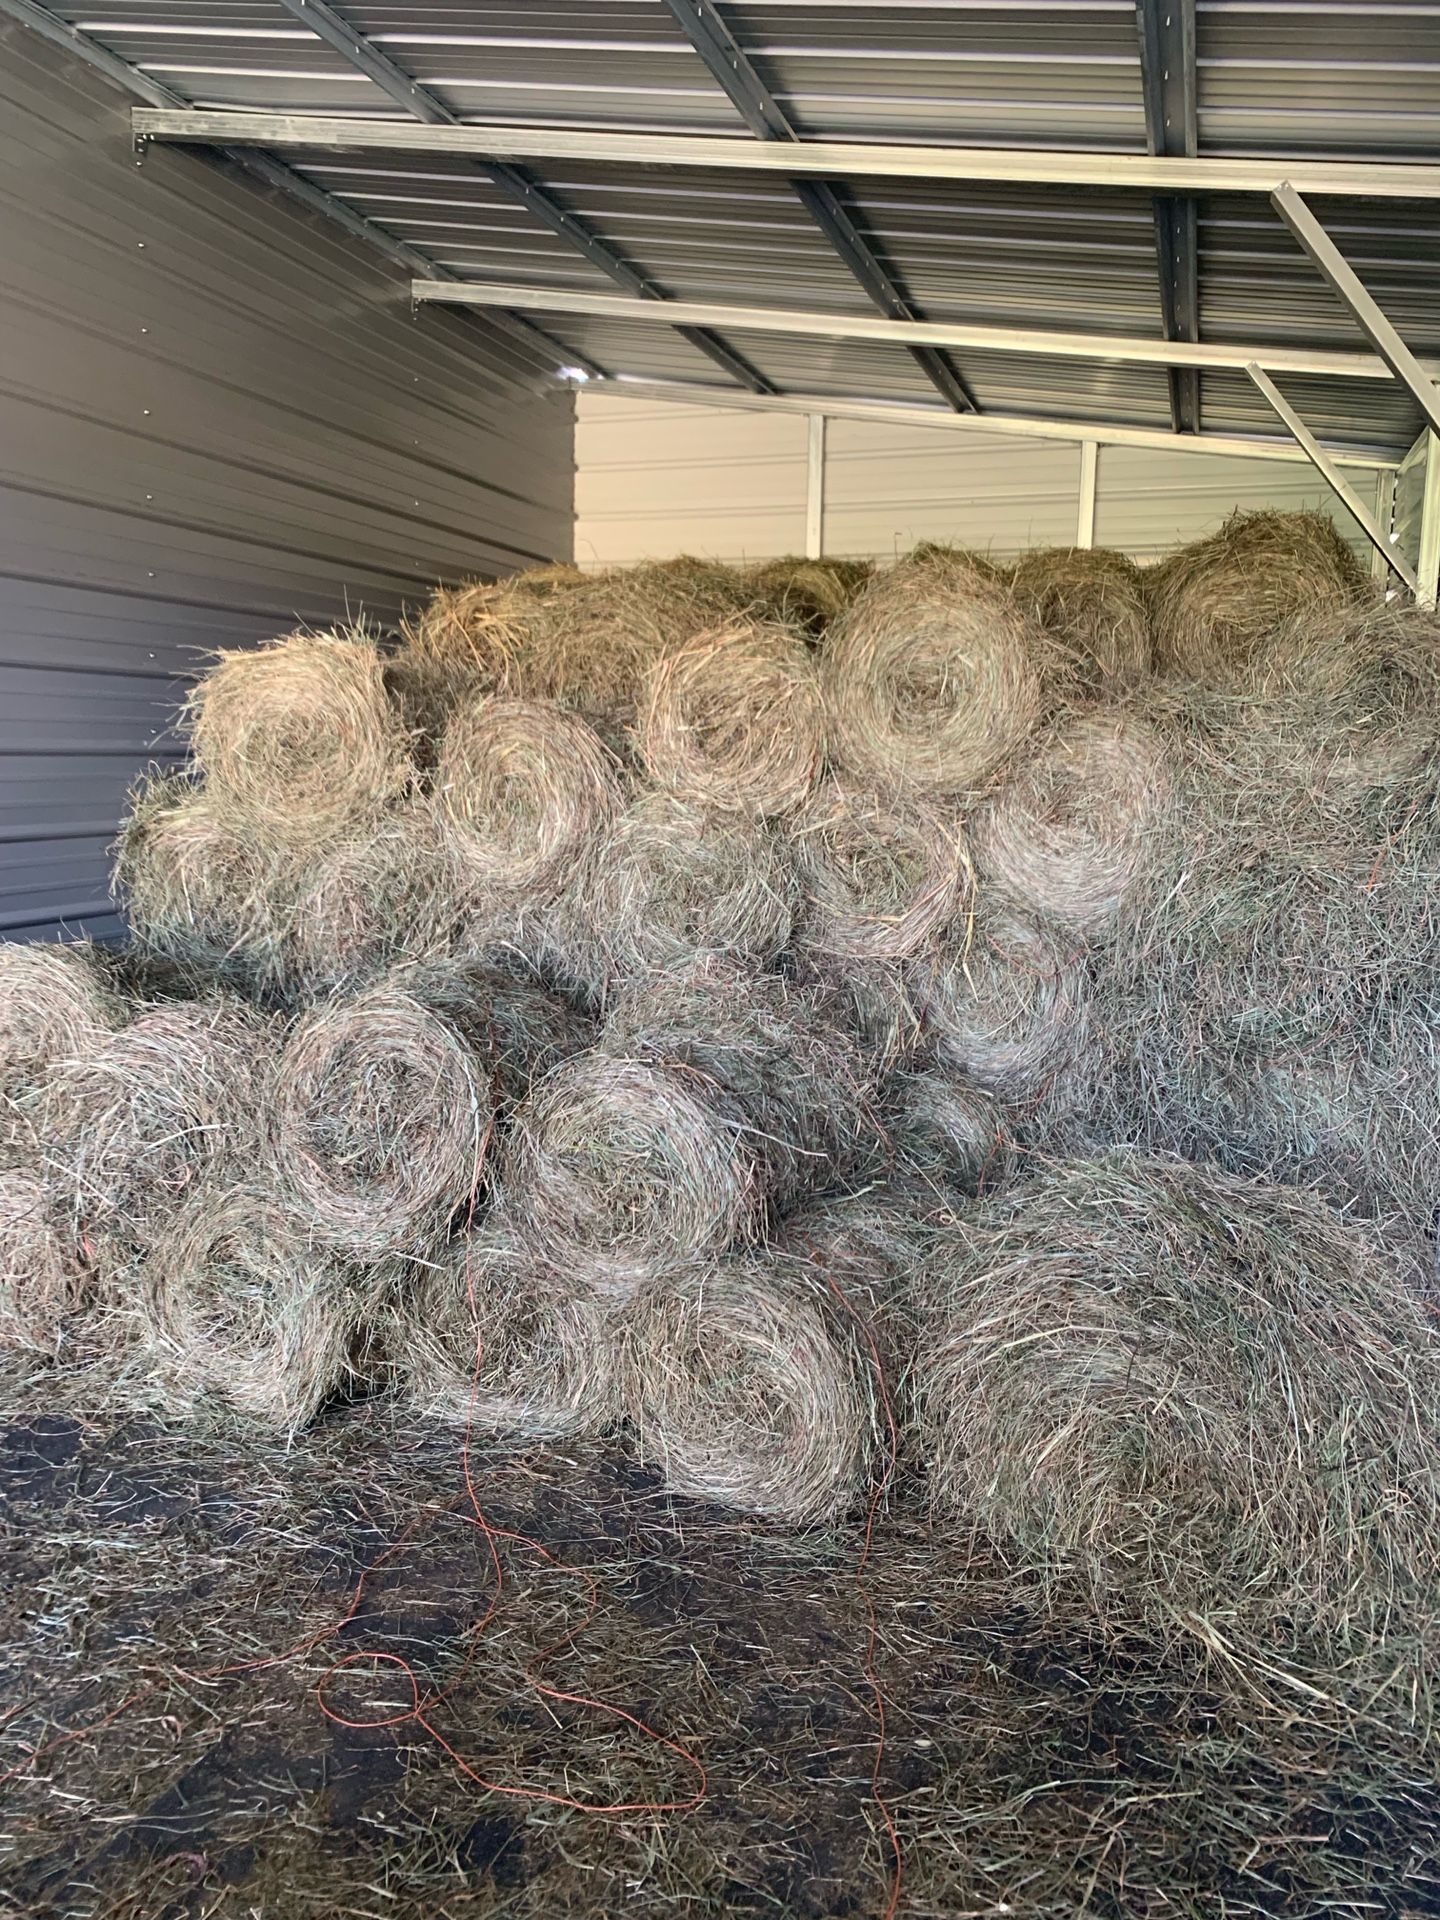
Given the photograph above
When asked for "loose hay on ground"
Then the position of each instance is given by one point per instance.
(1093, 601)
(301, 736)
(1216, 600)
(1067, 834)
(490, 1338)
(241, 1312)
(734, 718)
(933, 678)
(521, 787)
(748, 1387)
(1195, 1392)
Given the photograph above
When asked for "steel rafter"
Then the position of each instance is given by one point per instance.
(417, 100)
(1167, 71)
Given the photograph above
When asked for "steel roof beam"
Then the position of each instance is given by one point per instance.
(1167, 72)
(1351, 289)
(729, 65)
(833, 159)
(407, 92)
(1024, 426)
(1333, 475)
(270, 172)
(1134, 348)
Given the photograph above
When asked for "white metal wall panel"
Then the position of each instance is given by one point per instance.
(1148, 502)
(653, 480)
(218, 416)
(887, 486)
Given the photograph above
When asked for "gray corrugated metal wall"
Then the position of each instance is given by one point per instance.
(217, 417)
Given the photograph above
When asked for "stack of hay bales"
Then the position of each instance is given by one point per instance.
(723, 1009)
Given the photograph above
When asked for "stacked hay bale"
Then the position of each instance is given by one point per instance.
(617, 1011)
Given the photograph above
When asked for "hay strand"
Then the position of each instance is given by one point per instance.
(241, 1311)
(1199, 1392)
(520, 789)
(57, 1002)
(616, 1168)
(131, 1124)
(40, 1278)
(876, 875)
(1216, 600)
(384, 1110)
(1004, 1000)
(1094, 603)
(670, 879)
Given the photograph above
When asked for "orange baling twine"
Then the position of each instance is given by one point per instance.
(423, 1705)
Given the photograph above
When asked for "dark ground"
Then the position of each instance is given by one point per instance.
(1035, 1764)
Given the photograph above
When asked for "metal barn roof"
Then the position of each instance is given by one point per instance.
(1085, 250)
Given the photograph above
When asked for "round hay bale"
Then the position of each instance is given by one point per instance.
(1197, 1391)
(932, 678)
(876, 875)
(1093, 601)
(1004, 1001)
(870, 999)
(796, 1083)
(549, 942)
(748, 1388)
(384, 1112)
(733, 718)
(1353, 692)
(520, 788)
(1216, 600)
(588, 648)
(492, 1340)
(56, 1003)
(301, 736)
(1067, 835)
(943, 1132)
(516, 1025)
(466, 639)
(615, 1169)
(242, 1311)
(197, 885)
(40, 1279)
(367, 899)
(867, 1250)
(133, 1123)
(808, 593)
(669, 879)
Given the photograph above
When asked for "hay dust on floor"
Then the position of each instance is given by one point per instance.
(1035, 1764)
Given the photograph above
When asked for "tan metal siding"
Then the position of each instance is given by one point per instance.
(653, 478)
(218, 416)
(662, 479)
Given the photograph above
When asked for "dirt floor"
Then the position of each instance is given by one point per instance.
(1034, 1763)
